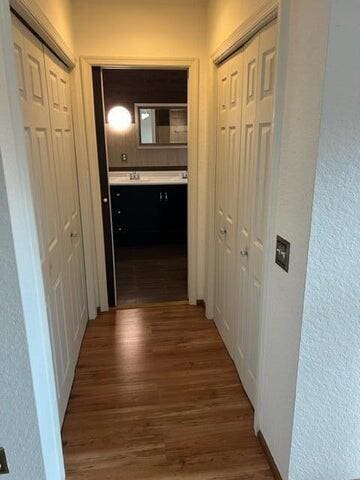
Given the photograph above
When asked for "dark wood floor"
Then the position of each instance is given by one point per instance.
(156, 397)
(151, 274)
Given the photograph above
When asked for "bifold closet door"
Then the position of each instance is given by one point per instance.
(58, 82)
(230, 81)
(258, 96)
(53, 181)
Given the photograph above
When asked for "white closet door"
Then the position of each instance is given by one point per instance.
(32, 85)
(244, 184)
(259, 195)
(259, 77)
(228, 136)
(58, 82)
(54, 188)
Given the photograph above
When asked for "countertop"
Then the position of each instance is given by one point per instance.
(163, 177)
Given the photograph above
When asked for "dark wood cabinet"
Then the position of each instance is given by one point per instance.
(148, 214)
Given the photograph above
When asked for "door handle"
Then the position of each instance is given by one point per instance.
(161, 196)
(105, 200)
(166, 197)
(244, 253)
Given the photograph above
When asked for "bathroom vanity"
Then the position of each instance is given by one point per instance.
(148, 207)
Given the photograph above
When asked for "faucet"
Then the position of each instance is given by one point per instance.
(134, 176)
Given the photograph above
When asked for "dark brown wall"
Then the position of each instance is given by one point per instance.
(126, 87)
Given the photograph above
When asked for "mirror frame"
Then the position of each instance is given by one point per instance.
(137, 125)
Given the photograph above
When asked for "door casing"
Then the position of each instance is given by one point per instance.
(190, 64)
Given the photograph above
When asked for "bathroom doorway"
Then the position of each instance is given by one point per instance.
(142, 128)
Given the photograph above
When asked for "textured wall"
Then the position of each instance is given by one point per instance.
(326, 439)
(291, 205)
(19, 433)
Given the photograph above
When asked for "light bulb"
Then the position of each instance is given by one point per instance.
(119, 118)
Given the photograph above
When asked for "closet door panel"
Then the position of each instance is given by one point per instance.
(228, 139)
(220, 288)
(33, 93)
(234, 117)
(67, 192)
(259, 192)
(248, 135)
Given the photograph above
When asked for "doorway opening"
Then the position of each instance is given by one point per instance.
(142, 128)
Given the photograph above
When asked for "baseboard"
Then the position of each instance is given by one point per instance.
(269, 456)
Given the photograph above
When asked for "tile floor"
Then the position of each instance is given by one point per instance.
(151, 274)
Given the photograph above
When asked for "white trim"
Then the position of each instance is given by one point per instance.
(27, 252)
(87, 221)
(192, 65)
(245, 31)
(32, 14)
(89, 120)
(211, 146)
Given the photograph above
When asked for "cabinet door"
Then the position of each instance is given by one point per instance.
(174, 213)
(120, 201)
(137, 214)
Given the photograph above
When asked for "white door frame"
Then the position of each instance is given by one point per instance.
(274, 9)
(192, 65)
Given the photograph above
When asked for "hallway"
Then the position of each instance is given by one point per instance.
(156, 396)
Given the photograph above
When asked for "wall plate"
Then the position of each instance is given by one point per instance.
(282, 254)
(3, 463)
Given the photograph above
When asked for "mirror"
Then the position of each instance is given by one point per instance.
(162, 125)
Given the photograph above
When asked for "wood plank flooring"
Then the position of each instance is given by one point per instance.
(157, 397)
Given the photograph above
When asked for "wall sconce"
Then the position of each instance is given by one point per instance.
(119, 118)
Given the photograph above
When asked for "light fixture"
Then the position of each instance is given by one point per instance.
(119, 118)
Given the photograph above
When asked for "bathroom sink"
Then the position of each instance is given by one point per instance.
(163, 177)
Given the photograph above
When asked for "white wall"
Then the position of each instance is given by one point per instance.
(224, 16)
(59, 12)
(291, 201)
(19, 431)
(148, 29)
(326, 438)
